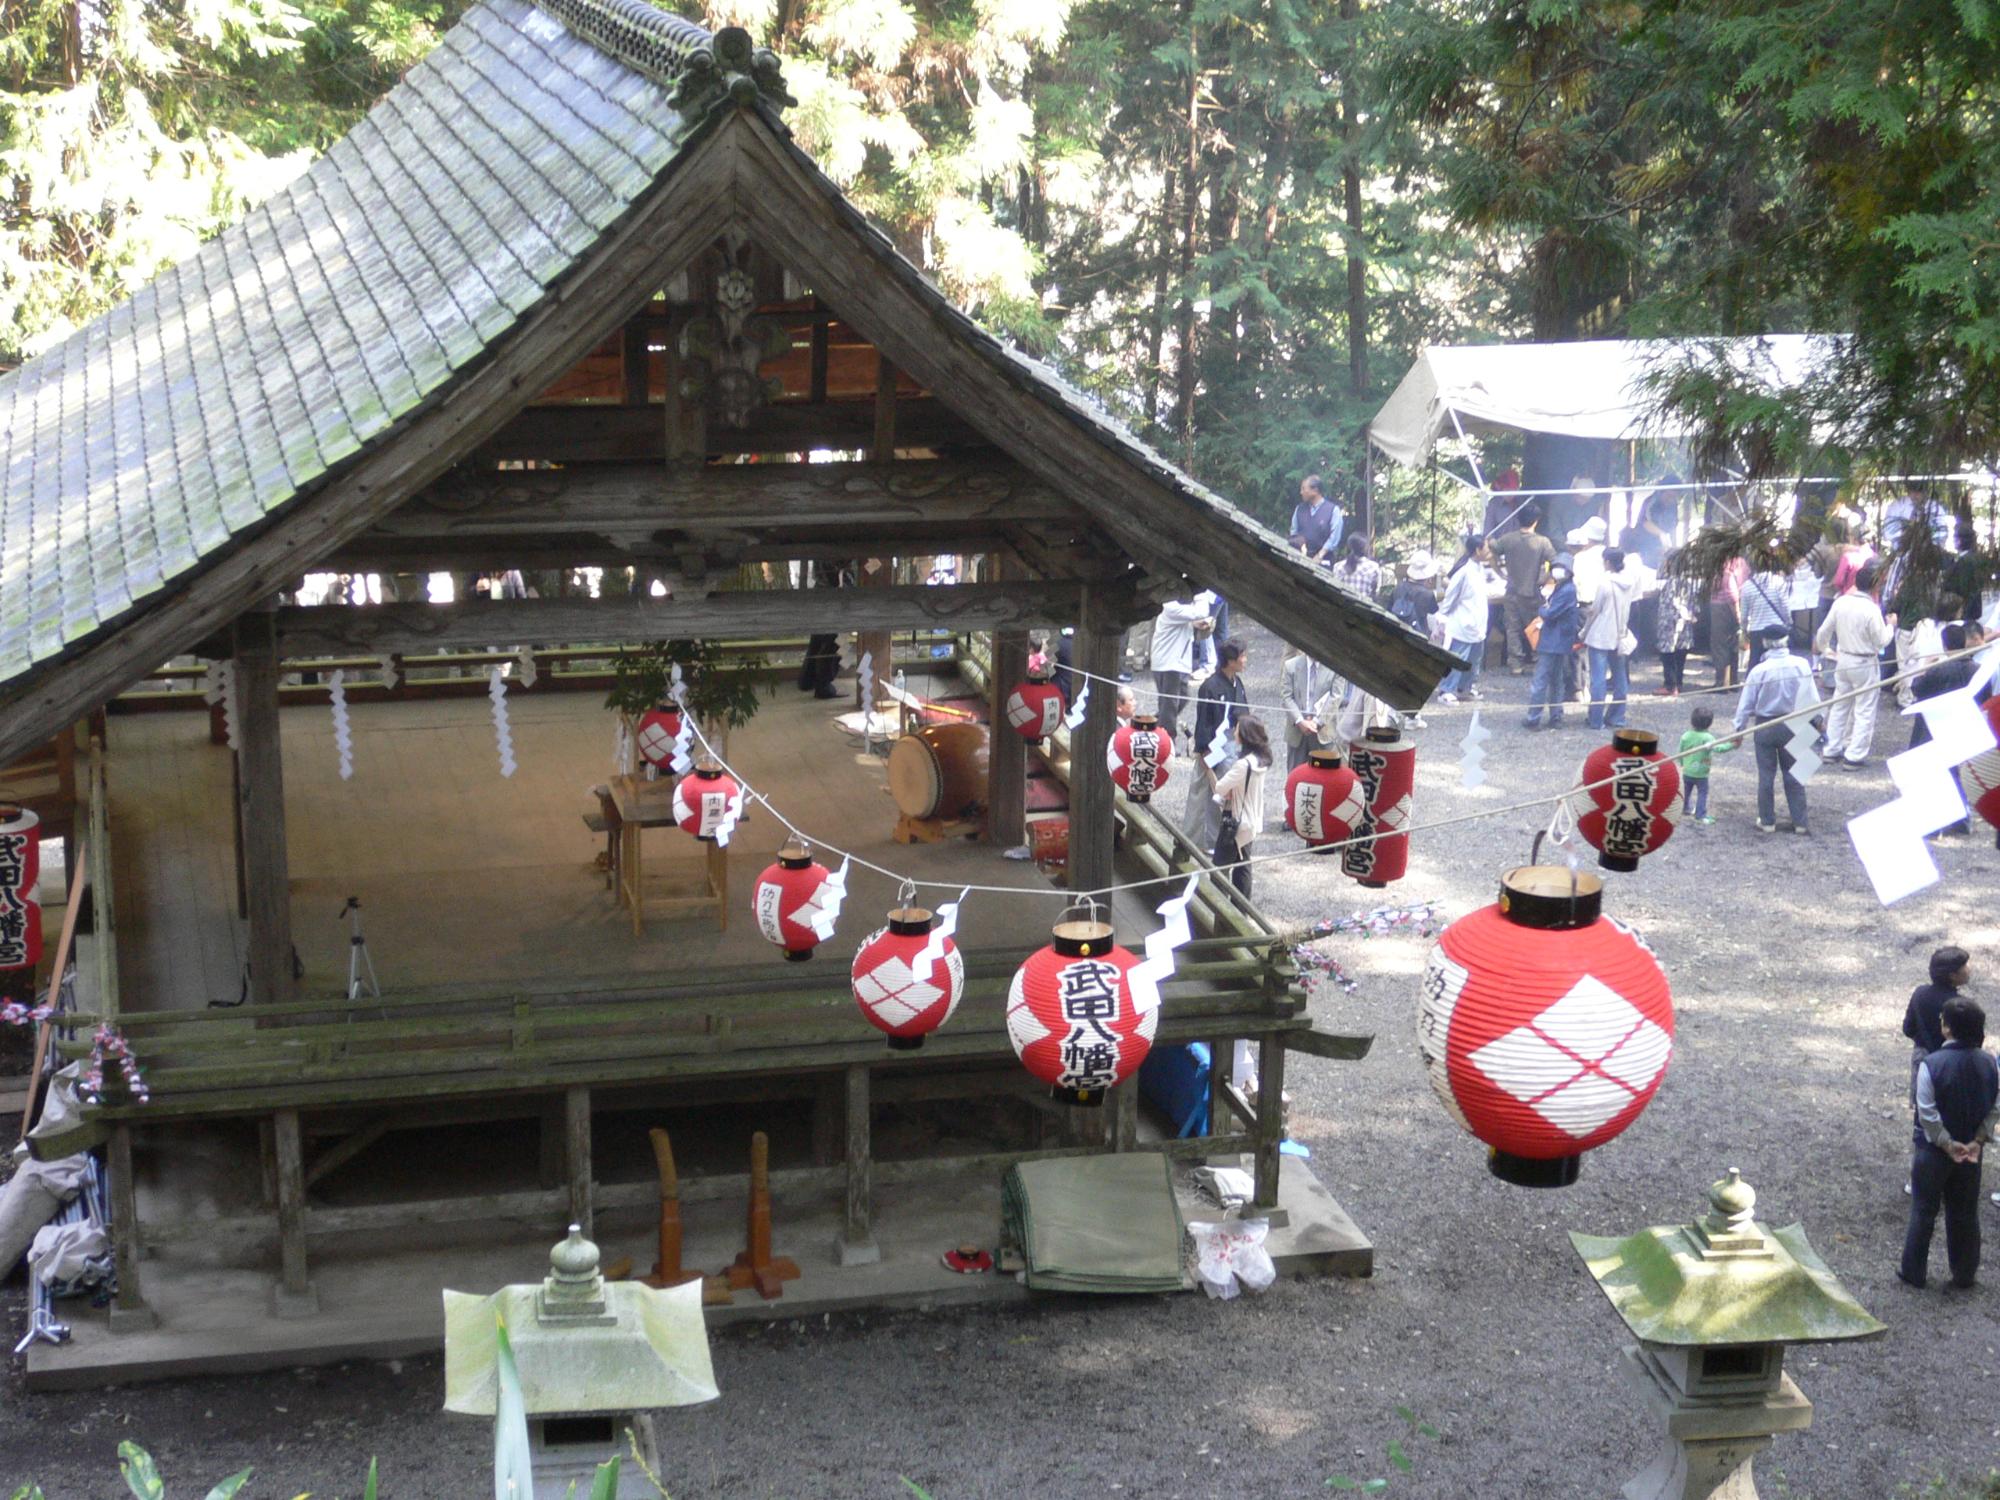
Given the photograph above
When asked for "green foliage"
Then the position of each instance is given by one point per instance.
(720, 689)
(1396, 1454)
(513, 1467)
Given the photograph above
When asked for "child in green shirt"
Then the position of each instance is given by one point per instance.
(1694, 767)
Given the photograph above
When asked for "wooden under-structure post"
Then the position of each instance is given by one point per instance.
(686, 413)
(877, 645)
(857, 1246)
(1099, 646)
(129, 1311)
(267, 883)
(293, 1296)
(1006, 752)
(1126, 1133)
(1270, 1125)
(576, 1155)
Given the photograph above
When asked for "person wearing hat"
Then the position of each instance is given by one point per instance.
(1586, 549)
(1779, 685)
(1559, 619)
(1415, 603)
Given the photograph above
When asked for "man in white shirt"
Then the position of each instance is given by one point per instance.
(1854, 634)
(1779, 686)
(1311, 697)
(1173, 655)
(1606, 621)
(1586, 551)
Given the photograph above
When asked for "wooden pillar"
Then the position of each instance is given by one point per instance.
(293, 1297)
(883, 449)
(856, 1246)
(1126, 1101)
(828, 1100)
(1091, 823)
(576, 1154)
(1007, 752)
(261, 805)
(637, 364)
(1219, 1049)
(129, 1311)
(880, 645)
(552, 1154)
(686, 415)
(1270, 1117)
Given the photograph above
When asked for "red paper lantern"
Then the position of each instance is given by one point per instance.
(1544, 1026)
(20, 869)
(1385, 766)
(786, 899)
(887, 989)
(705, 800)
(1639, 804)
(657, 731)
(1070, 1014)
(1034, 709)
(1982, 772)
(1323, 799)
(1138, 757)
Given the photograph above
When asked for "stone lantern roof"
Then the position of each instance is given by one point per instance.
(583, 1345)
(1724, 1279)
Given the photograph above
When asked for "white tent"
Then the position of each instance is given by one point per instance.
(1596, 389)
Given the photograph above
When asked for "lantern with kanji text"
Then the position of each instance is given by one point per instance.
(656, 733)
(1627, 799)
(1385, 766)
(1034, 708)
(20, 870)
(1545, 1026)
(1323, 799)
(1138, 757)
(708, 802)
(1071, 1015)
(906, 979)
(787, 899)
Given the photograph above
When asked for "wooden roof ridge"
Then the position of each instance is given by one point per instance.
(705, 69)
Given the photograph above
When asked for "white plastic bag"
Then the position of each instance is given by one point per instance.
(1230, 1256)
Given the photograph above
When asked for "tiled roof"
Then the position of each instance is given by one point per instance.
(143, 442)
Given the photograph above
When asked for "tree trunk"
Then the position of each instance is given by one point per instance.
(1156, 333)
(1190, 226)
(1350, 176)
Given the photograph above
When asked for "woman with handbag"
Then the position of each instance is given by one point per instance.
(1240, 795)
(1680, 607)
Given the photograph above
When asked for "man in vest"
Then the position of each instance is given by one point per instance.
(1958, 1108)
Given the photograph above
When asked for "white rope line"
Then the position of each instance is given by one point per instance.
(1310, 851)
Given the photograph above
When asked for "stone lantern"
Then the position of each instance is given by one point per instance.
(1713, 1305)
(595, 1358)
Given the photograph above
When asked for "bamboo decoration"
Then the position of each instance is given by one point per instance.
(756, 1266)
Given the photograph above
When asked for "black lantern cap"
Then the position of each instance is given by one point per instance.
(1082, 939)
(1553, 898)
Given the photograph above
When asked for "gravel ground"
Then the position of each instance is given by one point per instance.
(1790, 982)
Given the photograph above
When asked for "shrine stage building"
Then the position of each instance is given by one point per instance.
(571, 299)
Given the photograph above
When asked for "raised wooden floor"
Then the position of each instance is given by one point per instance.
(466, 876)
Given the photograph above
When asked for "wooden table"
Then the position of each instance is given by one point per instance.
(649, 804)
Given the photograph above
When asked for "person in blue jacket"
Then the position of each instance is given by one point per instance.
(1561, 619)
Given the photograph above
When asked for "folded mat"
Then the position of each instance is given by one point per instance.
(1095, 1223)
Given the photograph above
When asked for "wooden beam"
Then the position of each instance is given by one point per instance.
(671, 222)
(857, 1246)
(1098, 649)
(267, 881)
(1160, 516)
(883, 449)
(339, 630)
(293, 1297)
(573, 434)
(630, 504)
(576, 1157)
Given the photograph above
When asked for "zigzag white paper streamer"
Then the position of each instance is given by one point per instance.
(1074, 721)
(503, 734)
(1218, 747)
(866, 672)
(677, 689)
(1146, 976)
(232, 722)
(1472, 765)
(343, 732)
(1805, 759)
(621, 749)
(832, 896)
(529, 671)
(933, 948)
(732, 814)
(211, 683)
(392, 675)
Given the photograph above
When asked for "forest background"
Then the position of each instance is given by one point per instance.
(1233, 221)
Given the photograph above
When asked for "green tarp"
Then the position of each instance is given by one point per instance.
(1095, 1223)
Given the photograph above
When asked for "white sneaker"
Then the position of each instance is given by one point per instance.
(1447, 697)
(1415, 721)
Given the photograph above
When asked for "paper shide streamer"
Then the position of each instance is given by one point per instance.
(941, 931)
(866, 673)
(1472, 765)
(1074, 721)
(677, 689)
(503, 734)
(832, 896)
(1146, 976)
(392, 674)
(232, 719)
(529, 671)
(343, 732)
